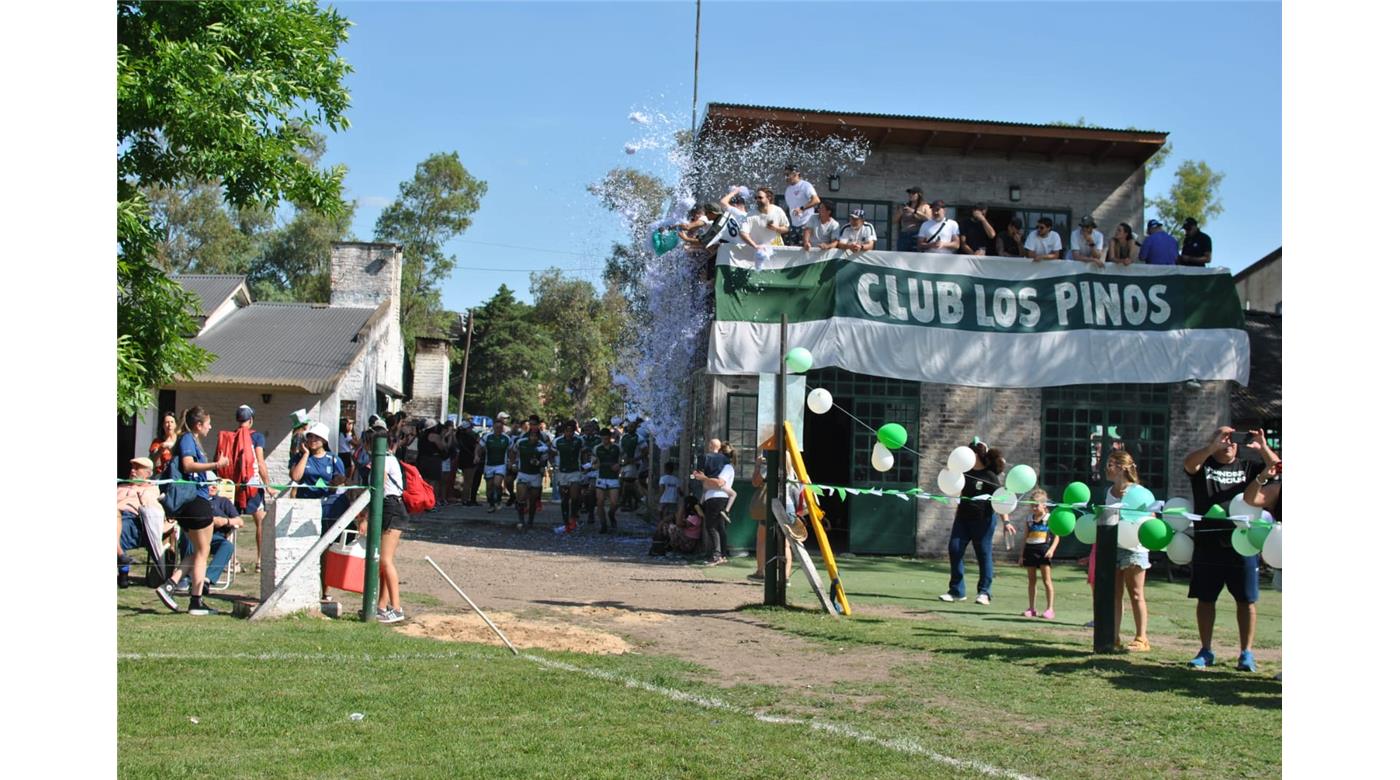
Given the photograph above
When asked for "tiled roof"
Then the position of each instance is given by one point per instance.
(304, 345)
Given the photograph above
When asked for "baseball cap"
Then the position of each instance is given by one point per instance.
(915, 190)
(937, 204)
(857, 213)
(377, 422)
(1087, 221)
(144, 462)
(1152, 223)
(244, 413)
(1190, 222)
(502, 416)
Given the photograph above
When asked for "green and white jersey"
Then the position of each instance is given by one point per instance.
(496, 445)
(532, 459)
(629, 447)
(609, 460)
(569, 449)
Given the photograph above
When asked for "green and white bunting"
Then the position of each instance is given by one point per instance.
(980, 321)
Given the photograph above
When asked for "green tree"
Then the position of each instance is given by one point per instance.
(202, 234)
(435, 206)
(1195, 193)
(294, 264)
(211, 92)
(511, 357)
(586, 329)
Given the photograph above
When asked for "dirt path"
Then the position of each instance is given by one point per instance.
(608, 584)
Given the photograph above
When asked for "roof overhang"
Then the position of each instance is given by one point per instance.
(925, 133)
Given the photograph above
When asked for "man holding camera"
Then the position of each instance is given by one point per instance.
(912, 216)
(1218, 475)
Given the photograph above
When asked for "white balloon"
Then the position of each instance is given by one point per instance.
(962, 459)
(1003, 501)
(1177, 522)
(1238, 508)
(1273, 548)
(1180, 548)
(881, 458)
(1128, 533)
(1086, 529)
(951, 482)
(819, 401)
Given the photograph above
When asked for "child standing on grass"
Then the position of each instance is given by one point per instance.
(1036, 554)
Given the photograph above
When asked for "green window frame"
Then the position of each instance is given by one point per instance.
(1080, 423)
(741, 431)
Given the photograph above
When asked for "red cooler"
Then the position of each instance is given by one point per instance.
(345, 565)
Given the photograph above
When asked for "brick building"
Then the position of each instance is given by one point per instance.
(1016, 169)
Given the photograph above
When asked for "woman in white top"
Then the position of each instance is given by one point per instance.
(1131, 572)
(714, 500)
(391, 528)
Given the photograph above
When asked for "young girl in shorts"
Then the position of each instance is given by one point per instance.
(1131, 571)
(1038, 550)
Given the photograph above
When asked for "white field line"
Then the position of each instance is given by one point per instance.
(906, 746)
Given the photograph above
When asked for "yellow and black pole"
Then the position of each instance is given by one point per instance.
(774, 575)
(376, 519)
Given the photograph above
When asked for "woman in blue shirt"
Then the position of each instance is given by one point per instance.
(313, 471)
(195, 516)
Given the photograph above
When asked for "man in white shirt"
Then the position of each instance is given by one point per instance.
(1044, 243)
(940, 234)
(859, 236)
(802, 201)
(767, 224)
(1086, 243)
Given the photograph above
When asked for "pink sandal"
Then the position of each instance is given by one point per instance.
(1028, 613)
(1048, 614)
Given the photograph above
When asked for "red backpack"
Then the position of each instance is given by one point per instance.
(418, 496)
(237, 446)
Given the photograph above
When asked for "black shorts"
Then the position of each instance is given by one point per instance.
(1238, 573)
(195, 514)
(394, 513)
(1033, 555)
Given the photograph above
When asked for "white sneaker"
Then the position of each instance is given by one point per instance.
(951, 597)
(983, 599)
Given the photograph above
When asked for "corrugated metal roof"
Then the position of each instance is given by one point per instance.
(212, 289)
(911, 117)
(303, 345)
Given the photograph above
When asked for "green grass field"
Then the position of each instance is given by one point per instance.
(977, 684)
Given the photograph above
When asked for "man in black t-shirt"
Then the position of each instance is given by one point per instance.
(978, 236)
(1195, 246)
(1218, 475)
(467, 439)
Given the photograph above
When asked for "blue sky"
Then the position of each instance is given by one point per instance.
(536, 96)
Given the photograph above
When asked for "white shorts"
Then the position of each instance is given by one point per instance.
(608, 484)
(529, 480)
(567, 478)
(495, 471)
(629, 471)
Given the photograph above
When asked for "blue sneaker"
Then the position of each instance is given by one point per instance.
(1246, 663)
(1205, 658)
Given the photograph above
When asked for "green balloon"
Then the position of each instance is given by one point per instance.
(1076, 493)
(799, 359)
(1216, 512)
(893, 436)
(1239, 539)
(1062, 522)
(1020, 478)
(1258, 533)
(1155, 534)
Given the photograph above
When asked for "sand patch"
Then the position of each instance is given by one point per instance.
(522, 633)
(614, 614)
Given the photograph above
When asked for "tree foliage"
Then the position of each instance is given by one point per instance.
(511, 357)
(433, 207)
(1195, 193)
(211, 92)
(585, 328)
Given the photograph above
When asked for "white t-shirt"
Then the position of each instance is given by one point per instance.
(1044, 245)
(850, 235)
(345, 448)
(726, 475)
(671, 493)
(730, 223)
(824, 232)
(797, 196)
(945, 229)
(756, 226)
(1076, 243)
(393, 476)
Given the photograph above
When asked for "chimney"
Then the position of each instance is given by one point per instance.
(365, 275)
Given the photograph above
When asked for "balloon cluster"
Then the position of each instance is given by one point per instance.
(1019, 480)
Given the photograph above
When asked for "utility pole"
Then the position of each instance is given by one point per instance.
(466, 358)
(774, 575)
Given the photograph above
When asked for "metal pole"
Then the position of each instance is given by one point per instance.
(472, 604)
(376, 519)
(695, 88)
(466, 357)
(1105, 566)
(774, 578)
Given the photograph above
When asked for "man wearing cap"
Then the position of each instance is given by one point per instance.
(802, 200)
(1086, 243)
(1159, 248)
(1044, 243)
(979, 237)
(1195, 247)
(939, 234)
(253, 491)
(912, 215)
(141, 521)
(859, 235)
